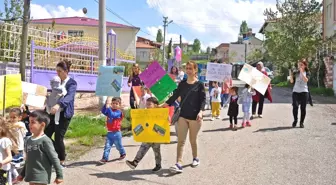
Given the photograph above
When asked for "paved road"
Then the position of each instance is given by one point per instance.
(268, 153)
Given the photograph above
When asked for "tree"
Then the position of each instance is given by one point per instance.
(159, 37)
(196, 46)
(255, 55)
(13, 9)
(208, 50)
(243, 28)
(296, 34)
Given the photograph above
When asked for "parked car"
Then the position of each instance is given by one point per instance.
(269, 72)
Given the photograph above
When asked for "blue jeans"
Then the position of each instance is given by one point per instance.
(224, 98)
(113, 138)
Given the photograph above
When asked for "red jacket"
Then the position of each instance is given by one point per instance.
(268, 92)
(113, 120)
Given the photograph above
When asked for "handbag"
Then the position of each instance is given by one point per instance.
(177, 111)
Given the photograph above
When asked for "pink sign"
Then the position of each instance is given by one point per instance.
(178, 54)
(152, 74)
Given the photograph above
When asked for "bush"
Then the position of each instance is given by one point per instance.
(283, 84)
(277, 79)
(322, 91)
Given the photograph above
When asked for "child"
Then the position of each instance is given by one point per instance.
(40, 152)
(144, 96)
(215, 100)
(25, 118)
(20, 131)
(7, 143)
(233, 107)
(246, 100)
(114, 116)
(227, 84)
(152, 102)
(57, 91)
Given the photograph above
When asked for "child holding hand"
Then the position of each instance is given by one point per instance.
(246, 100)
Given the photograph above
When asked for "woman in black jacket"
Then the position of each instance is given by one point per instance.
(192, 107)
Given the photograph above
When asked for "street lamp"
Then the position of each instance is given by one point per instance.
(165, 25)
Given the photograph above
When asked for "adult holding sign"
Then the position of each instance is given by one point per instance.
(66, 106)
(134, 80)
(192, 93)
(259, 98)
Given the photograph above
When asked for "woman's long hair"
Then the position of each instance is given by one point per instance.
(305, 63)
(171, 70)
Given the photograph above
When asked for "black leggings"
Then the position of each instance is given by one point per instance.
(235, 120)
(299, 99)
(59, 131)
(261, 105)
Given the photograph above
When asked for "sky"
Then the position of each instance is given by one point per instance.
(211, 21)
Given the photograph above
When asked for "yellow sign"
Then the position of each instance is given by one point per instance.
(2, 91)
(13, 90)
(151, 125)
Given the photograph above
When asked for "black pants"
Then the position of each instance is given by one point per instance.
(59, 131)
(235, 120)
(260, 107)
(299, 99)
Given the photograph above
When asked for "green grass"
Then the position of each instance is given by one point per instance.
(322, 91)
(283, 84)
(87, 129)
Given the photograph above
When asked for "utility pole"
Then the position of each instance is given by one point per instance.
(102, 39)
(24, 39)
(181, 43)
(165, 25)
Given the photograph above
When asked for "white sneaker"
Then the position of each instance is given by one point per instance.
(195, 163)
(177, 168)
(212, 118)
(218, 117)
(260, 116)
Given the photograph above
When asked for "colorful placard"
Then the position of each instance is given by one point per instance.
(13, 90)
(138, 94)
(218, 72)
(151, 125)
(110, 80)
(163, 88)
(152, 74)
(254, 78)
(34, 95)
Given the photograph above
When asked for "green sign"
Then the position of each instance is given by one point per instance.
(163, 88)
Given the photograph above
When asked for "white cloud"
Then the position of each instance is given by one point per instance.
(51, 11)
(217, 20)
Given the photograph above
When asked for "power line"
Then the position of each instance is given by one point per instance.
(121, 18)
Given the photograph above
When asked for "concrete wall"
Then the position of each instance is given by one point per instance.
(329, 20)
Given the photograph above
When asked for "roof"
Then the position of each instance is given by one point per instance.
(143, 45)
(223, 45)
(79, 21)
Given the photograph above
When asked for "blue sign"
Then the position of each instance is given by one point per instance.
(110, 81)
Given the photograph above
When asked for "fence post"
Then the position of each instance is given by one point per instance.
(91, 65)
(32, 48)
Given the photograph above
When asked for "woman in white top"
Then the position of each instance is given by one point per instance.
(300, 91)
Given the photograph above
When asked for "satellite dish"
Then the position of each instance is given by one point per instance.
(84, 10)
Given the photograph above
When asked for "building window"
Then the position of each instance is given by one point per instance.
(76, 33)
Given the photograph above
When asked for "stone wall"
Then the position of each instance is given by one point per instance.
(328, 79)
(13, 68)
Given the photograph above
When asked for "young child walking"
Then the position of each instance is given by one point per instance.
(20, 132)
(215, 101)
(8, 143)
(40, 153)
(152, 102)
(233, 107)
(246, 100)
(227, 84)
(114, 115)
